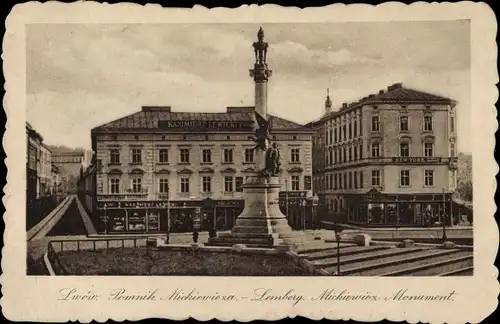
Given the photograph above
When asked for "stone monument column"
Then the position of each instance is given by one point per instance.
(261, 222)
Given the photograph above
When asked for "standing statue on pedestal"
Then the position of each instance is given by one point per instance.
(273, 163)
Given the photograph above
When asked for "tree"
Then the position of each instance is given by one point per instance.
(464, 190)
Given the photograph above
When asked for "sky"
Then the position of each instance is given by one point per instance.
(79, 76)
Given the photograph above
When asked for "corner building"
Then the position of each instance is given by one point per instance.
(387, 159)
(157, 163)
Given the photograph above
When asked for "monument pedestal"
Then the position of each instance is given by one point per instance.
(261, 218)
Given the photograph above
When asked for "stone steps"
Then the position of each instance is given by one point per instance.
(318, 246)
(376, 267)
(435, 266)
(262, 235)
(465, 271)
(261, 229)
(402, 264)
(363, 256)
(239, 240)
(346, 250)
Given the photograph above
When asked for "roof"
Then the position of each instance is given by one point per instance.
(396, 94)
(33, 133)
(149, 117)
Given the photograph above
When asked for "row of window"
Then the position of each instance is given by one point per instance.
(351, 130)
(231, 184)
(344, 132)
(185, 155)
(347, 180)
(354, 179)
(404, 124)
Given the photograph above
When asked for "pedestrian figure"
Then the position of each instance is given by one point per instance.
(195, 236)
(270, 240)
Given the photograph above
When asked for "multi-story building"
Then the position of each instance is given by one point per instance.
(188, 163)
(45, 170)
(56, 180)
(389, 158)
(69, 164)
(159, 170)
(34, 141)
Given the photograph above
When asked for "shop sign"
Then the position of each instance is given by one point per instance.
(206, 124)
(293, 194)
(229, 203)
(131, 204)
(416, 160)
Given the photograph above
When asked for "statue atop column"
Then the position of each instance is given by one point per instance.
(260, 48)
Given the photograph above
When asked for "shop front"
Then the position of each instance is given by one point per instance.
(380, 209)
(172, 216)
(133, 216)
(147, 216)
(299, 209)
(222, 213)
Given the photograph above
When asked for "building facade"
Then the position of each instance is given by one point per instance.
(56, 180)
(45, 171)
(42, 179)
(68, 164)
(389, 158)
(33, 141)
(157, 163)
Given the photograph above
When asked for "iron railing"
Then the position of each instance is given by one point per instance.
(56, 246)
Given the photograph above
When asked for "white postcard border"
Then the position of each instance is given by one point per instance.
(35, 298)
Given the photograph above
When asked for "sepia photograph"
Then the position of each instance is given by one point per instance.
(253, 163)
(246, 150)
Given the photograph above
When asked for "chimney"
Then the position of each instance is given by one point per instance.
(371, 96)
(156, 108)
(344, 105)
(242, 109)
(395, 86)
(381, 92)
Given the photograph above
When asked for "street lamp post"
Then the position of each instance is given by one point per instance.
(105, 220)
(337, 238)
(314, 208)
(304, 204)
(168, 215)
(443, 218)
(286, 198)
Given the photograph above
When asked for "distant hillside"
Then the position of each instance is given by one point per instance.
(65, 149)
